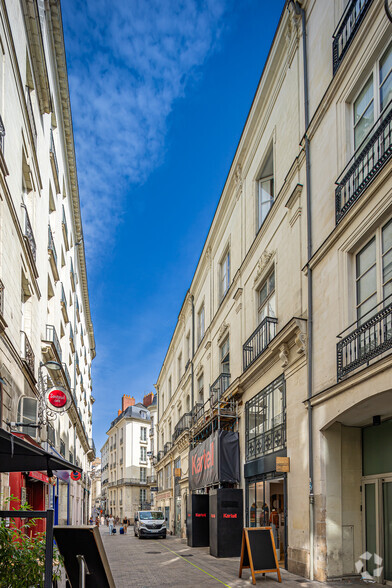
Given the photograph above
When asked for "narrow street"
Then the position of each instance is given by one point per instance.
(170, 562)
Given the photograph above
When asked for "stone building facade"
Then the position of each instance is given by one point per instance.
(44, 299)
(287, 319)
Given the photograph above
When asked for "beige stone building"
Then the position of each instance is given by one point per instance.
(284, 334)
(44, 298)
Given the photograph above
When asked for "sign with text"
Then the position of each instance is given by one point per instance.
(58, 399)
(217, 459)
(282, 464)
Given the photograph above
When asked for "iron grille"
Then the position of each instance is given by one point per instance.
(28, 233)
(347, 29)
(366, 164)
(28, 353)
(183, 424)
(218, 387)
(51, 336)
(259, 340)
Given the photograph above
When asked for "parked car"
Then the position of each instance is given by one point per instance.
(149, 523)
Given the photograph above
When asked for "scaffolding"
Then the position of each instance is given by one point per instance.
(215, 414)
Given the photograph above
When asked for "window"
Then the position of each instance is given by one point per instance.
(168, 480)
(27, 414)
(62, 448)
(374, 98)
(224, 274)
(374, 259)
(71, 457)
(160, 479)
(225, 357)
(265, 189)
(143, 454)
(266, 298)
(265, 416)
(143, 475)
(143, 496)
(169, 387)
(179, 364)
(51, 435)
(200, 325)
(200, 389)
(143, 433)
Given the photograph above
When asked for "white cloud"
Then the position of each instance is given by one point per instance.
(128, 64)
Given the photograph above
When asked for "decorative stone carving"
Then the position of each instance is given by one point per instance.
(199, 369)
(238, 181)
(284, 354)
(222, 331)
(263, 261)
(302, 336)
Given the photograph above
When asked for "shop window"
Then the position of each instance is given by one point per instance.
(266, 421)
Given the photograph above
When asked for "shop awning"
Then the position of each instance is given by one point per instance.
(18, 455)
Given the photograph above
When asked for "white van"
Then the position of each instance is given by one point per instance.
(149, 523)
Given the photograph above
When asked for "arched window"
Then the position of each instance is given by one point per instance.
(188, 403)
(27, 414)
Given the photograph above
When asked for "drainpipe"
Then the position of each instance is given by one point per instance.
(301, 12)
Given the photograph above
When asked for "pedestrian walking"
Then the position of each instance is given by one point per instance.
(125, 525)
(111, 524)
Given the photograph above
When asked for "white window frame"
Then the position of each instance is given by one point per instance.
(261, 179)
(201, 317)
(269, 294)
(224, 274)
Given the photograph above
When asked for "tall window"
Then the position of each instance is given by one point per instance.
(225, 357)
(265, 189)
(179, 363)
(373, 266)
(143, 496)
(266, 297)
(225, 274)
(169, 387)
(373, 98)
(265, 416)
(27, 414)
(200, 389)
(143, 474)
(143, 453)
(62, 447)
(200, 324)
(168, 479)
(143, 433)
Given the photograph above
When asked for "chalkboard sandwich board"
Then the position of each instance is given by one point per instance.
(258, 552)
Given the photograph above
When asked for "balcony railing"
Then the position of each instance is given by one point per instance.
(92, 445)
(121, 460)
(367, 162)
(2, 135)
(218, 387)
(160, 455)
(167, 447)
(347, 28)
(268, 441)
(367, 341)
(183, 424)
(259, 340)
(66, 375)
(27, 352)
(31, 115)
(51, 335)
(197, 411)
(151, 479)
(28, 233)
(151, 433)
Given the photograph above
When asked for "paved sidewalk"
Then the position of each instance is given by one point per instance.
(170, 562)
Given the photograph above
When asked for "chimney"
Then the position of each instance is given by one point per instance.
(127, 401)
(119, 412)
(147, 400)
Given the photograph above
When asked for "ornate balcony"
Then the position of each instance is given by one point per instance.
(27, 353)
(184, 424)
(71, 338)
(51, 337)
(269, 441)
(167, 447)
(259, 340)
(52, 254)
(365, 342)
(347, 29)
(218, 387)
(28, 234)
(367, 162)
(197, 412)
(64, 306)
(160, 455)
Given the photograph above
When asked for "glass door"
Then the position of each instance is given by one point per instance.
(387, 520)
(377, 519)
(370, 497)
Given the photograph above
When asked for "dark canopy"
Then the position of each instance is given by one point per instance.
(17, 455)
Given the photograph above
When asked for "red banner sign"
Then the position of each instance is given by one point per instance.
(39, 476)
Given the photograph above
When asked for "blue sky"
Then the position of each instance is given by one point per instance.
(160, 92)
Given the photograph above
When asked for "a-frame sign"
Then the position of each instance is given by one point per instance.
(258, 552)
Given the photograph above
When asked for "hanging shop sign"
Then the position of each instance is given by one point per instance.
(76, 476)
(58, 399)
(215, 460)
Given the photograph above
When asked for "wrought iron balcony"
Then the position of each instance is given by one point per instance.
(218, 387)
(77, 363)
(71, 337)
(151, 433)
(259, 340)
(151, 479)
(51, 336)
(183, 424)
(66, 375)
(27, 353)
(92, 444)
(31, 115)
(52, 254)
(366, 341)
(268, 441)
(28, 233)
(367, 162)
(2, 135)
(197, 411)
(347, 29)
(167, 447)
(160, 455)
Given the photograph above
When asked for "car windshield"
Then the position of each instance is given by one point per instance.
(148, 516)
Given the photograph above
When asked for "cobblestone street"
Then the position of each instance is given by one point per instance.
(170, 562)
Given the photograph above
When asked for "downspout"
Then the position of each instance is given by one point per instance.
(301, 12)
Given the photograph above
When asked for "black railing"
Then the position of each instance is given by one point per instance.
(31, 115)
(183, 424)
(259, 340)
(267, 442)
(160, 455)
(28, 233)
(367, 162)
(346, 29)
(2, 135)
(167, 447)
(27, 352)
(197, 411)
(51, 335)
(51, 246)
(365, 342)
(218, 387)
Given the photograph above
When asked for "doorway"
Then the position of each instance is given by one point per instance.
(167, 518)
(377, 526)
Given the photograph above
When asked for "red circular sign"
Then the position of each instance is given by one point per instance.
(57, 398)
(76, 476)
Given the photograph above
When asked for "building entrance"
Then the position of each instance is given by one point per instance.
(377, 519)
(267, 506)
